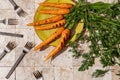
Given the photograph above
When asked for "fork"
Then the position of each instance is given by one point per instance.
(38, 75)
(9, 21)
(28, 46)
(18, 9)
(9, 47)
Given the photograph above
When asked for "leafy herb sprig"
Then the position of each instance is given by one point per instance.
(102, 21)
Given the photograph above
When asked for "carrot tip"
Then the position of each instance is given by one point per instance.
(46, 59)
(35, 49)
(29, 24)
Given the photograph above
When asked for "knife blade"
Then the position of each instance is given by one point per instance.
(11, 34)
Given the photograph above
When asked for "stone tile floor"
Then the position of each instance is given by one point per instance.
(63, 67)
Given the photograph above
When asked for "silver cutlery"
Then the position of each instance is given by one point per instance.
(9, 47)
(18, 9)
(11, 34)
(28, 46)
(38, 75)
(9, 21)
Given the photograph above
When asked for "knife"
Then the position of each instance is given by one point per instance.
(11, 34)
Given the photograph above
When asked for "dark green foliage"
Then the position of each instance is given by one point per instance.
(99, 73)
(102, 21)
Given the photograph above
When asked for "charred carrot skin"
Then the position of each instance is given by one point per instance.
(46, 21)
(51, 26)
(50, 39)
(55, 11)
(64, 37)
(57, 5)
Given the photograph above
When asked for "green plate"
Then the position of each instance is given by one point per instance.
(44, 34)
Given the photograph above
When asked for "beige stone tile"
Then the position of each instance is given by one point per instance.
(25, 73)
(85, 75)
(96, 0)
(76, 62)
(97, 62)
(7, 14)
(37, 39)
(4, 72)
(40, 58)
(5, 4)
(101, 0)
(63, 73)
(28, 36)
(115, 70)
(37, 3)
(112, 1)
(36, 6)
(47, 72)
(25, 4)
(9, 59)
(40, 55)
(3, 39)
(64, 59)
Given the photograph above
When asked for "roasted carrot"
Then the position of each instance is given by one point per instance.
(55, 11)
(46, 21)
(57, 5)
(50, 39)
(64, 37)
(53, 25)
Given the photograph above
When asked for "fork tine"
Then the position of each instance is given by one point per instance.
(11, 45)
(29, 45)
(37, 74)
(21, 12)
(12, 21)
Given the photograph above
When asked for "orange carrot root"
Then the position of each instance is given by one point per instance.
(65, 36)
(50, 39)
(46, 21)
(55, 11)
(57, 5)
(53, 25)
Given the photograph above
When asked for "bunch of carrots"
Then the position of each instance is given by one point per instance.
(57, 21)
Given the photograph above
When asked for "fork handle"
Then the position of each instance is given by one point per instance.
(13, 3)
(1, 21)
(15, 65)
(2, 55)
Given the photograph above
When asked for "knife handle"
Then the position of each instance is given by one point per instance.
(14, 4)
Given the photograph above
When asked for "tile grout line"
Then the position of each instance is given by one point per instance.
(73, 73)
(15, 74)
(34, 35)
(54, 73)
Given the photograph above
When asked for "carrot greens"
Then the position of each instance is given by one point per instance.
(102, 23)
